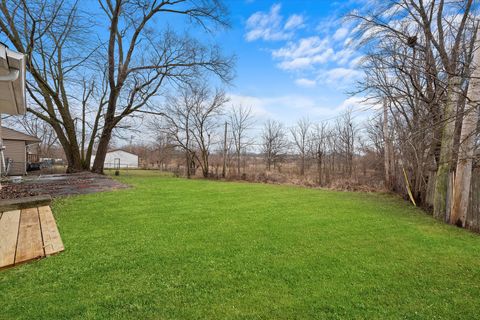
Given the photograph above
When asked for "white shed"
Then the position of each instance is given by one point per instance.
(119, 158)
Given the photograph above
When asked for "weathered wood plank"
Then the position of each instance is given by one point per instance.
(24, 203)
(30, 244)
(52, 242)
(8, 237)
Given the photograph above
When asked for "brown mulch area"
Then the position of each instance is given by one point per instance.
(59, 185)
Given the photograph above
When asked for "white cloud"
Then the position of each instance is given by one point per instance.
(363, 104)
(265, 25)
(393, 10)
(304, 47)
(340, 34)
(369, 34)
(294, 21)
(307, 83)
(348, 42)
(327, 24)
(289, 108)
(345, 55)
(264, 106)
(304, 53)
(341, 77)
(257, 104)
(354, 103)
(356, 62)
(328, 57)
(292, 101)
(269, 26)
(306, 62)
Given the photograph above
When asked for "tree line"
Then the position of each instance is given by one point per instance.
(201, 124)
(422, 65)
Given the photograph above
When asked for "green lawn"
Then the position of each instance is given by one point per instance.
(170, 248)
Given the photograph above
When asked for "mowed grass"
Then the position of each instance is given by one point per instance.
(170, 248)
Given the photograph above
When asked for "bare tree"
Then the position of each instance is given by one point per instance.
(206, 120)
(346, 130)
(163, 148)
(50, 33)
(274, 143)
(123, 74)
(241, 120)
(373, 146)
(141, 58)
(420, 57)
(190, 119)
(463, 177)
(300, 133)
(177, 125)
(388, 152)
(317, 146)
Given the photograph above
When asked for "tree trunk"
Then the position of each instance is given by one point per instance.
(388, 152)
(188, 163)
(109, 123)
(333, 164)
(319, 168)
(302, 165)
(463, 177)
(74, 163)
(206, 165)
(102, 150)
(238, 163)
(224, 168)
(327, 168)
(72, 152)
(440, 209)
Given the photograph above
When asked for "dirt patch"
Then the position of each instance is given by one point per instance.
(58, 185)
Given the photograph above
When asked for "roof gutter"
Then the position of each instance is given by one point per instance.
(12, 76)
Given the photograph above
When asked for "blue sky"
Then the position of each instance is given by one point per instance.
(293, 58)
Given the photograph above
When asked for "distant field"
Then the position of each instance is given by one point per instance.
(170, 248)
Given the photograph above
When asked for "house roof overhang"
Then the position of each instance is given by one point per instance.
(10, 134)
(12, 82)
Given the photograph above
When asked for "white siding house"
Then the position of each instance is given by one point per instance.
(119, 159)
(19, 151)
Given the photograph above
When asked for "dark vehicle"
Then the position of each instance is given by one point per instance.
(33, 166)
